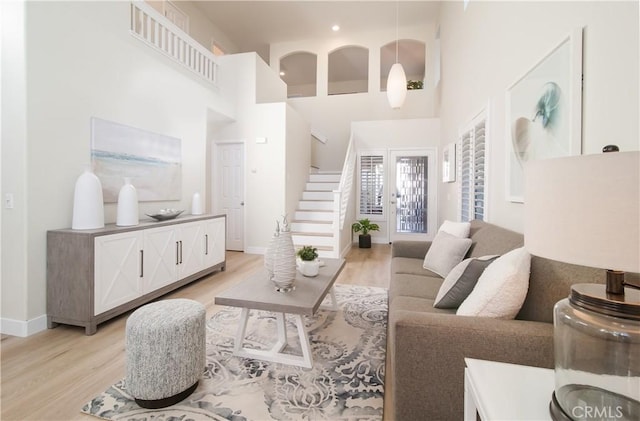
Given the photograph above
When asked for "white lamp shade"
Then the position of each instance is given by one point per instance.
(396, 86)
(585, 210)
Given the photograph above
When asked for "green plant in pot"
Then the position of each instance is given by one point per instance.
(363, 226)
(308, 263)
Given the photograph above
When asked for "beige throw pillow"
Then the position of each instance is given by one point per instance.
(459, 229)
(501, 289)
(445, 252)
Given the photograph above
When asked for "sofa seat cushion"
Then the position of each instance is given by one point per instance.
(408, 285)
(407, 265)
(422, 305)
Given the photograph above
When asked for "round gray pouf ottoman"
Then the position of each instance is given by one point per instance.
(165, 352)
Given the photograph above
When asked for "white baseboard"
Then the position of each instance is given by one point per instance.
(23, 328)
(346, 250)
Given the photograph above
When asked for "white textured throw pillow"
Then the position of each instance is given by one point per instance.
(461, 280)
(445, 252)
(501, 289)
(459, 229)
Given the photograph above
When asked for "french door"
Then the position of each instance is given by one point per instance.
(412, 194)
(397, 191)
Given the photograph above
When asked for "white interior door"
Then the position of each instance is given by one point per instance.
(412, 194)
(229, 197)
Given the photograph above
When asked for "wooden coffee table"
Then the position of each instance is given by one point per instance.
(258, 293)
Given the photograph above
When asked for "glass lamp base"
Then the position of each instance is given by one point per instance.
(557, 414)
(590, 403)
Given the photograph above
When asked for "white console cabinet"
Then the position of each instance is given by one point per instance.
(94, 275)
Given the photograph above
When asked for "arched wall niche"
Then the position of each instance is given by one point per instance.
(412, 56)
(299, 71)
(348, 70)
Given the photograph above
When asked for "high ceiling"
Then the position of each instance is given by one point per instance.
(253, 25)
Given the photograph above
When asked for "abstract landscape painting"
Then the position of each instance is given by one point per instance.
(152, 161)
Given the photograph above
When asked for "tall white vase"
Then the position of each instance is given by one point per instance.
(196, 204)
(127, 205)
(284, 260)
(88, 205)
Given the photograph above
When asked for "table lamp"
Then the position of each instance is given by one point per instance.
(585, 210)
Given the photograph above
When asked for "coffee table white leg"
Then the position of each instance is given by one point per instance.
(275, 353)
(307, 358)
(282, 333)
(334, 301)
(242, 328)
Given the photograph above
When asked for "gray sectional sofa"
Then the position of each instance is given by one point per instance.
(427, 346)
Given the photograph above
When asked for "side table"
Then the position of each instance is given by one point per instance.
(502, 391)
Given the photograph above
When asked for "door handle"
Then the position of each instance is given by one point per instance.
(206, 244)
(242, 203)
(180, 251)
(177, 253)
(142, 263)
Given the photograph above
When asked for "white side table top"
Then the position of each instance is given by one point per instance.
(502, 391)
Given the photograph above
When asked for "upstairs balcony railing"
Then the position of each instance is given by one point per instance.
(158, 32)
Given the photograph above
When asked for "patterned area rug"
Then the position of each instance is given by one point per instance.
(345, 383)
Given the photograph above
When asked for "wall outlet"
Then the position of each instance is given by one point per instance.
(8, 201)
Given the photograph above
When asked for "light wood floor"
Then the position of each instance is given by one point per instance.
(52, 374)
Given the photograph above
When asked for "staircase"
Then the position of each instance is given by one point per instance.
(313, 222)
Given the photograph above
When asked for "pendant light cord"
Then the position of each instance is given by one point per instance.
(397, 13)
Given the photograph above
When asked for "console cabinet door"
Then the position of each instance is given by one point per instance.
(190, 242)
(118, 270)
(215, 241)
(160, 258)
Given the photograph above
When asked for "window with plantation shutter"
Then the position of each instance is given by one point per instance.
(371, 186)
(473, 169)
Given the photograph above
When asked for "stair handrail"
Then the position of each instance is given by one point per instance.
(346, 179)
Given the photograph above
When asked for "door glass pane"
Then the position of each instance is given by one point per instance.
(371, 184)
(411, 194)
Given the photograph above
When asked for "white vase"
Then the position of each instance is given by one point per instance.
(271, 250)
(88, 205)
(127, 205)
(196, 204)
(309, 268)
(284, 260)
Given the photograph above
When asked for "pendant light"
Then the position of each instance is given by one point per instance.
(397, 80)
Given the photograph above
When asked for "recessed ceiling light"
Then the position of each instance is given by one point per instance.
(282, 73)
(335, 28)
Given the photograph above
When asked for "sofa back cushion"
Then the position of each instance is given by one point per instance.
(550, 281)
(490, 239)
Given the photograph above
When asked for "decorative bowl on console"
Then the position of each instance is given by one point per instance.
(165, 214)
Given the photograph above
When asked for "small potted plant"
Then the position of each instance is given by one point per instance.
(363, 226)
(308, 263)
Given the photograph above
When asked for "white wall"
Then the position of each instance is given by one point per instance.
(265, 175)
(332, 115)
(265, 163)
(297, 159)
(486, 48)
(96, 69)
(14, 154)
